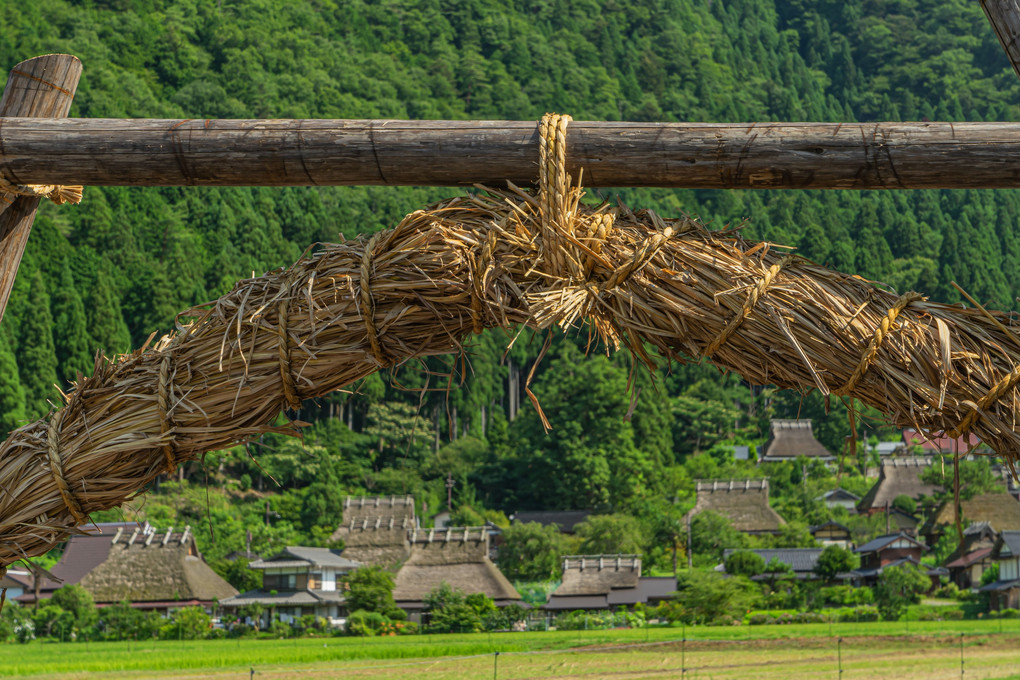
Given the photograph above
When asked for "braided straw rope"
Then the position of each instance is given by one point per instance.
(501, 259)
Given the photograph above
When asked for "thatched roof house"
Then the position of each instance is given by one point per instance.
(375, 529)
(745, 502)
(457, 556)
(607, 581)
(150, 569)
(1000, 511)
(789, 439)
(158, 571)
(898, 477)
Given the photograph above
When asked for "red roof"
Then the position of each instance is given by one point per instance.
(940, 444)
(970, 558)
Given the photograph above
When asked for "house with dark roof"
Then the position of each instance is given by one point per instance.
(593, 582)
(801, 561)
(897, 477)
(840, 498)
(1000, 511)
(832, 533)
(375, 529)
(564, 520)
(457, 556)
(298, 581)
(965, 571)
(892, 550)
(1005, 593)
(791, 439)
(159, 571)
(745, 502)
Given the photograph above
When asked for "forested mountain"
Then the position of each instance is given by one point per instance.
(107, 273)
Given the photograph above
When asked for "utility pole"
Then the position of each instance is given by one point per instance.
(449, 491)
(690, 558)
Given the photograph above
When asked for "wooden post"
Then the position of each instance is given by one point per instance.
(1005, 18)
(41, 87)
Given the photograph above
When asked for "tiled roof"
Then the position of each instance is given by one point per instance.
(882, 541)
(300, 556)
(798, 559)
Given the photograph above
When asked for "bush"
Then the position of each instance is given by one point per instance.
(949, 591)
(956, 615)
(365, 624)
(1009, 613)
(188, 623)
(724, 620)
(280, 630)
(759, 619)
(858, 614)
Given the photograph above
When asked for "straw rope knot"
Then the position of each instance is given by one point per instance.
(881, 333)
(749, 304)
(163, 398)
(367, 305)
(993, 395)
(57, 193)
(290, 394)
(57, 469)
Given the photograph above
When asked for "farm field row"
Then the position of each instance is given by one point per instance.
(924, 651)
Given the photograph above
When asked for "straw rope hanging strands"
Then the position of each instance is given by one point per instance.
(501, 259)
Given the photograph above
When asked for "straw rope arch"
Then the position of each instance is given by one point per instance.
(501, 258)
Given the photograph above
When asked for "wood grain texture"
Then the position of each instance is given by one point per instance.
(145, 152)
(43, 86)
(1004, 16)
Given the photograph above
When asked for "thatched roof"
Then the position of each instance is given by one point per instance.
(457, 556)
(791, 438)
(898, 476)
(999, 510)
(745, 502)
(598, 574)
(604, 581)
(375, 529)
(155, 567)
(358, 508)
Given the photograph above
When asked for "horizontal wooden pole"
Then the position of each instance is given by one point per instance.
(144, 152)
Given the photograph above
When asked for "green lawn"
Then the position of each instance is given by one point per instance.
(535, 654)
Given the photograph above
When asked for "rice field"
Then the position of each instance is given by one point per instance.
(916, 651)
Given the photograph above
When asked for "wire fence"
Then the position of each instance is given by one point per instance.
(905, 657)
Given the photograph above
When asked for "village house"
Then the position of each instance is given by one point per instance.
(791, 439)
(800, 561)
(457, 556)
(745, 502)
(375, 529)
(832, 533)
(897, 477)
(971, 558)
(16, 582)
(840, 498)
(892, 551)
(1005, 593)
(999, 510)
(594, 582)
(152, 570)
(298, 581)
(916, 442)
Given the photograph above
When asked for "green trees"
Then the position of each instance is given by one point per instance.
(745, 563)
(833, 561)
(531, 552)
(899, 587)
(37, 360)
(371, 589)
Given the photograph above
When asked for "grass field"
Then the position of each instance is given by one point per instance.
(924, 651)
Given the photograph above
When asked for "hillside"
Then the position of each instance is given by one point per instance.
(109, 272)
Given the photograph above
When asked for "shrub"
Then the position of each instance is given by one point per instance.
(948, 591)
(859, 614)
(759, 619)
(955, 615)
(187, 623)
(280, 630)
(745, 563)
(724, 620)
(1009, 613)
(809, 617)
(365, 624)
